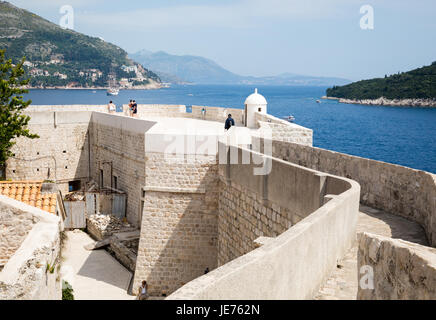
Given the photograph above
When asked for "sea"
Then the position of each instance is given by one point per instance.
(400, 135)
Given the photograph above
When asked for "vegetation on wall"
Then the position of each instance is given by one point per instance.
(416, 84)
(13, 123)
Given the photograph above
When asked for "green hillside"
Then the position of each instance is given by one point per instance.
(58, 57)
(416, 84)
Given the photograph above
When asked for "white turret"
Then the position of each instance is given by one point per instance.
(254, 103)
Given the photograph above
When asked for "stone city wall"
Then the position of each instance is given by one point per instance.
(395, 189)
(282, 130)
(31, 273)
(14, 227)
(65, 108)
(157, 110)
(401, 270)
(219, 114)
(179, 221)
(118, 149)
(295, 263)
(59, 154)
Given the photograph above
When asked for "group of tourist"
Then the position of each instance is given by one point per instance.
(133, 108)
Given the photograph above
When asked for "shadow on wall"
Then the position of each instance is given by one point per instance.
(179, 234)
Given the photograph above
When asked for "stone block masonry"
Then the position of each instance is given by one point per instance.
(60, 154)
(31, 273)
(118, 150)
(244, 216)
(179, 221)
(398, 270)
(279, 234)
(395, 189)
(14, 227)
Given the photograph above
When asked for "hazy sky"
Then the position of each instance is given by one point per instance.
(265, 37)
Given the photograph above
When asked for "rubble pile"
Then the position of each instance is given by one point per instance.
(101, 226)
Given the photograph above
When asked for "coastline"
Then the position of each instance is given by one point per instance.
(146, 87)
(419, 103)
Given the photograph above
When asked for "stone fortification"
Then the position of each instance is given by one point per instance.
(301, 221)
(179, 221)
(60, 154)
(395, 189)
(31, 272)
(399, 270)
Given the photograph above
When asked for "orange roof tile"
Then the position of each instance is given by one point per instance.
(29, 192)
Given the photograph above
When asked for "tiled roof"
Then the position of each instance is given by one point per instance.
(29, 192)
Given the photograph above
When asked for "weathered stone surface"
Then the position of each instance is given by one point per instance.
(392, 188)
(402, 270)
(30, 273)
(14, 227)
(179, 229)
(101, 226)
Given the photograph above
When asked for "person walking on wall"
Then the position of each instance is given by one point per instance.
(111, 107)
(134, 109)
(143, 291)
(229, 122)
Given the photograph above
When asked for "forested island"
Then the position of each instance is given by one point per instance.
(413, 88)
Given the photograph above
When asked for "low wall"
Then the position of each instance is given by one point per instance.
(395, 189)
(31, 272)
(63, 108)
(290, 265)
(282, 130)
(401, 270)
(14, 228)
(219, 114)
(157, 110)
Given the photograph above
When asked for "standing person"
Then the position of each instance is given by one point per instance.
(111, 107)
(134, 109)
(229, 122)
(143, 291)
(130, 108)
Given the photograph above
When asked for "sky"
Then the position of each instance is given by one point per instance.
(265, 37)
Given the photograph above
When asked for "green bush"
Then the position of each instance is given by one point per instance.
(67, 291)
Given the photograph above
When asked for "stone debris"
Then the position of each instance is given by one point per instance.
(108, 223)
(101, 226)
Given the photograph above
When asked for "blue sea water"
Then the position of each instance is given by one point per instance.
(404, 136)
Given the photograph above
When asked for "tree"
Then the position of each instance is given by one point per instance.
(13, 123)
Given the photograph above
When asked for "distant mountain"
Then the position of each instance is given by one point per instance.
(416, 84)
(187, 68)
(200, 70)
(65, 58)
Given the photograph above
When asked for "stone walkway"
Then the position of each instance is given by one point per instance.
(94, 275)
(343, 283)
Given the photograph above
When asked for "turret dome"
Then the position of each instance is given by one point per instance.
(255, 99)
